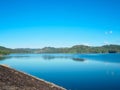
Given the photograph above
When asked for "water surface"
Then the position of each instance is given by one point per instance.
(95, 72)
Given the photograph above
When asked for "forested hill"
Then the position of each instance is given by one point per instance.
(4, 50)
(81, 49)
(74, 49)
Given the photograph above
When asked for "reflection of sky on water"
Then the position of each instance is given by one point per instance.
(107, 58)
(64, 71)
(110, 58)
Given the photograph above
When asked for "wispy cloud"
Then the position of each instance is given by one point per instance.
(109, 32)
(87, 44)
(106, 43)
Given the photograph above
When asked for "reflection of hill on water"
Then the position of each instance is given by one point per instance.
(51, 57)
(19, 56)
(54, 56)
(3, 58)
(110, 58)
(78, 59)
(45, 57)
(8, 57)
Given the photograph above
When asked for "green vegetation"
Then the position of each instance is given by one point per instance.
(81, 49)
(4, 51)
(74, 49)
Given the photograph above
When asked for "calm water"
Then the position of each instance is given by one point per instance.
(96, 72)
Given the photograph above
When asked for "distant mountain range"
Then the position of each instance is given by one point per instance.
(74, 49)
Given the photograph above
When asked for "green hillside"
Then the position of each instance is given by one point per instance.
(81, 49)
(74, 49)
(4, 50)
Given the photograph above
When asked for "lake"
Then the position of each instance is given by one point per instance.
(95, 72)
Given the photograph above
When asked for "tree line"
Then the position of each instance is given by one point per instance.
(74, 49)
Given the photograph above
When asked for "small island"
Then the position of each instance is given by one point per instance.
(78, 59)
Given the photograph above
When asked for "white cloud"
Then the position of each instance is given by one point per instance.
(87, 44)
(109, 32)
(106, 43)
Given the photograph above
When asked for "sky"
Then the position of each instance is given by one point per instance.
(59, 23)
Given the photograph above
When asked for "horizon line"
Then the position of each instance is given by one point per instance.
(58, 47)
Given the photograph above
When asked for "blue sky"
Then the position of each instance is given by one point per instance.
(59, 23)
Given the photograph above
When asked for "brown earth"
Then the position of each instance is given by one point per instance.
(11, 79)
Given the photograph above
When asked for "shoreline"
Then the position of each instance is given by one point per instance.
(11, 79)
(1, 55)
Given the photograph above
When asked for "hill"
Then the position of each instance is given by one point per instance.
(74, 49)
(81, 49)
(4, 50)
